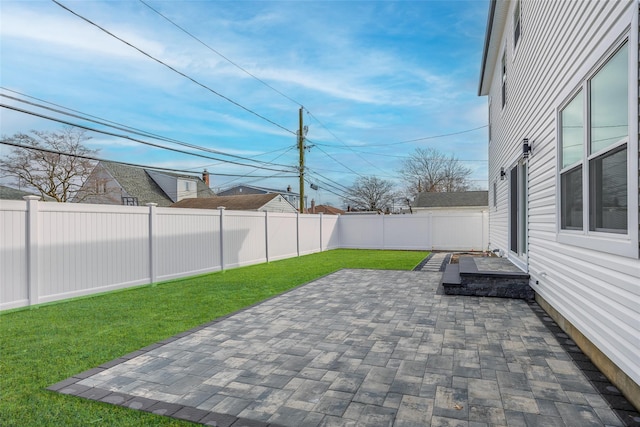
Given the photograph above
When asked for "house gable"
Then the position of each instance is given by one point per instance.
(129, 185)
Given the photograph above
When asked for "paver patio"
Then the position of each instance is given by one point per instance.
(360, 348)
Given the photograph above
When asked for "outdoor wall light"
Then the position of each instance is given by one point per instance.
(502, 174)
(526, 148)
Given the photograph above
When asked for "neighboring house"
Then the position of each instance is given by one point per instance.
(272, 202)
(9, 193)
(238, 190)
(562, 84)
(451, 201)
(324, 209)
(117, 184)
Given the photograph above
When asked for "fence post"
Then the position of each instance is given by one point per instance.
(320, 231)
(221, 209)
(32, 248)
(382, 228)
(152, 242)
(298, 233)
(485, 230)
(266, 234)
(430, 230)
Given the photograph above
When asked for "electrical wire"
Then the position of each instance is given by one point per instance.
(136, 165)
(340, 163)
(135, 139)
(138, 132)
(417, 139)
(249, 173)
(340, 140)
(115, 125)
(174, 69)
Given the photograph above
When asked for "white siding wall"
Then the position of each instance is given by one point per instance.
(279, 204)
(560, 44)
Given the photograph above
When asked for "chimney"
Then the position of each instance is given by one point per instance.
(205, 177)
(289, 189)
(313, 206)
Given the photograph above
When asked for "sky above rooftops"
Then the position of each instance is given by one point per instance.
(230, 77)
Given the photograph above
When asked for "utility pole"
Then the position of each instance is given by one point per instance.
(301, 147)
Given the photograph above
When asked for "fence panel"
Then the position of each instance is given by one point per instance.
(309, 234)
(361, 231)
(282, 235)
(14, 291)
(330, 232)
(187, 242)
(460, 231)
(243, 238)
(84, 249)
(409, 232)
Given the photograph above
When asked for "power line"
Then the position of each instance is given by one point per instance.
(125, 128)
(339, 162)
(336, 137)
(98, 159)
(174, 69)
(404, 157)
(220, 54)
(135, 139)
(417, 139)
(336, 185)
(285, 149)
(249, 173)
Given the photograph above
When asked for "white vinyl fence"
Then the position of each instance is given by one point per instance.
(54, 251)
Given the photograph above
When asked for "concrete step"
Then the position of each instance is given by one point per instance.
(504, 280)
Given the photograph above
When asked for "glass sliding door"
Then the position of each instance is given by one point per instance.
(518, 210)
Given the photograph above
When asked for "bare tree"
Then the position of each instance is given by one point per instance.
(429, 170)
(371, 194)
(43, 167)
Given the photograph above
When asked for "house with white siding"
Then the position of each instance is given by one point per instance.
(561, 79)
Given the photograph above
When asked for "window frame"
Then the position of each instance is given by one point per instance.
(517, 25)
(614, 242)
(503, 89)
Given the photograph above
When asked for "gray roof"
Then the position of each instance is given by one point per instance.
(9, 193)
(252, 189)
(248, 202)
(452, 199)
(137, 183)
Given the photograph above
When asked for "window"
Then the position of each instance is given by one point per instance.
(608, 192)
(504, 78)
(593, 147)
(516, 25)
(129, 201)
(101, 186)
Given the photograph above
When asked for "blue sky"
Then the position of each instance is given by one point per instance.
(369, 74)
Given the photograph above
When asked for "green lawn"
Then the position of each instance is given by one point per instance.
(47, 344)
